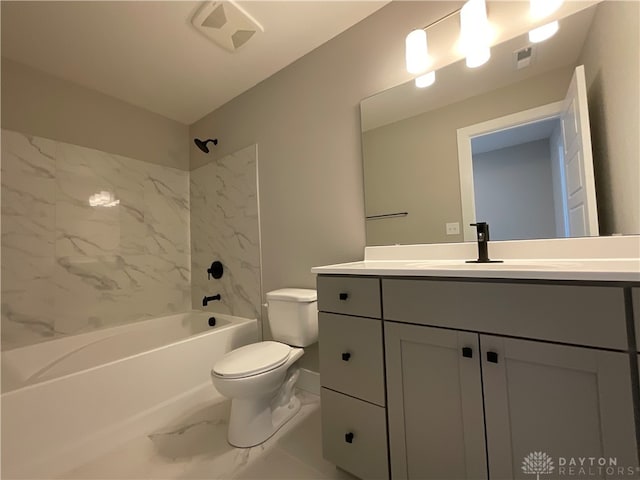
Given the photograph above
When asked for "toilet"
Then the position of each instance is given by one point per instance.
(259, 378)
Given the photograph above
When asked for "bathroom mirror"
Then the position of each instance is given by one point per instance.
(411, 139)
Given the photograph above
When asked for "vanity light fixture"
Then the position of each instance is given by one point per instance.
(475, 34)
(544, 32)
(417, 51)
(426, 80)
(475, 39)
(539, 9)
(543, 8)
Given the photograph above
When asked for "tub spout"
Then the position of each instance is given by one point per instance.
(206, 299)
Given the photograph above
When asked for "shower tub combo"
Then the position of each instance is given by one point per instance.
(72, 399)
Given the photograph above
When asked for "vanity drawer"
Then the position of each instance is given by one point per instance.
(349, 295)
(582, 315)
(364, 452)
(351, 358)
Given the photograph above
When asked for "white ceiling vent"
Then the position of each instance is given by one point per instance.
(524, 57)
(226, 23)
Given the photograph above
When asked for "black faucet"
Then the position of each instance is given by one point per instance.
(206, 299)
(483, 244)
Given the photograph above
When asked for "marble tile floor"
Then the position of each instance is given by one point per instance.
(195, 447)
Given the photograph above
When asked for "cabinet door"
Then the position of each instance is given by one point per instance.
(566, 402)
(434, 401)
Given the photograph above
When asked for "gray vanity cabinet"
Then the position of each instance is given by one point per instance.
(446, 386)
(436, 422)
(354, 421)
(564, 401)
(479, 375)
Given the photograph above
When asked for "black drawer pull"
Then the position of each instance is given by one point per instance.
(346, 356)
(467, 352)
(343, 296)
(348, 437)
(492, 357)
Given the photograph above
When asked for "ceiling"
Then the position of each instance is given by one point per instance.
(148, 53)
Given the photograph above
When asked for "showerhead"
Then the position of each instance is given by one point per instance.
(202, 144)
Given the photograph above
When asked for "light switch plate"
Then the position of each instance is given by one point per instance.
(453, 228)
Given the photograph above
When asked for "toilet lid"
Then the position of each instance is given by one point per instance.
(252, 359)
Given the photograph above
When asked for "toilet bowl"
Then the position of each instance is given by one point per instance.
(260, 378)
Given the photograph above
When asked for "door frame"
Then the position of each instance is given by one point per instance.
(465, 156)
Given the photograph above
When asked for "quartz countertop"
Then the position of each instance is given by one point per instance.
(612, 259)
(588, 269)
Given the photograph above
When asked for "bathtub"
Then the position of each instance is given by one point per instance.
(69, 400)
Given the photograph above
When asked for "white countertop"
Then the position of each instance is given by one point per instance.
(619, 269)
(590, 258)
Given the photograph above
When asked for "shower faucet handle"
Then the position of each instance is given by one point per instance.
(215, 270)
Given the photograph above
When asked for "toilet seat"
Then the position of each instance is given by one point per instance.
(252, 359)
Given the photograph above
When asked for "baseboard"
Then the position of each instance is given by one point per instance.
(309, 381)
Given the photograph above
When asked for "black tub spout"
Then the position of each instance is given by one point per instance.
(206, 299)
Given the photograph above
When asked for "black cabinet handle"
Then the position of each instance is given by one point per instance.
(346, 356)
(343, 296)
(467, 352)
(492, 357)
(348, 437)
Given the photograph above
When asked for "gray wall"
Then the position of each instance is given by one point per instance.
(514, 191)
(413, 163)
(36, 103)
(611, 57)
(305, 120)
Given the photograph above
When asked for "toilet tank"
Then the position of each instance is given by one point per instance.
(293, 316)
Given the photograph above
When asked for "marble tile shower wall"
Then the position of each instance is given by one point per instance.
(69, 267)
(224, 227)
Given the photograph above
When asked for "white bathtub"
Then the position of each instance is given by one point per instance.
(69, 400)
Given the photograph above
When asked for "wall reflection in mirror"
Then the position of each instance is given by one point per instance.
(504, 143)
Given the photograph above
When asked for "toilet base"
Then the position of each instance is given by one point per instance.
(253, 421)
(283, 414)
(263, 426)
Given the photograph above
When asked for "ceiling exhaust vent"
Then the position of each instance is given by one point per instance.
(226, 24)
(524, 57)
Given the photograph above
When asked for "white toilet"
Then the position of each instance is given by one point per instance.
(259, 378)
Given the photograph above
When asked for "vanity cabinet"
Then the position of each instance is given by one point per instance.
(563, 400)
(353, 397)
(559, 388)
(436, 421)
(479, 374)
(447, 388)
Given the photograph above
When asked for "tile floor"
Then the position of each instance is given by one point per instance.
(195, 447)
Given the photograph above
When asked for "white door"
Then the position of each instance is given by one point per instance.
(581, 190)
